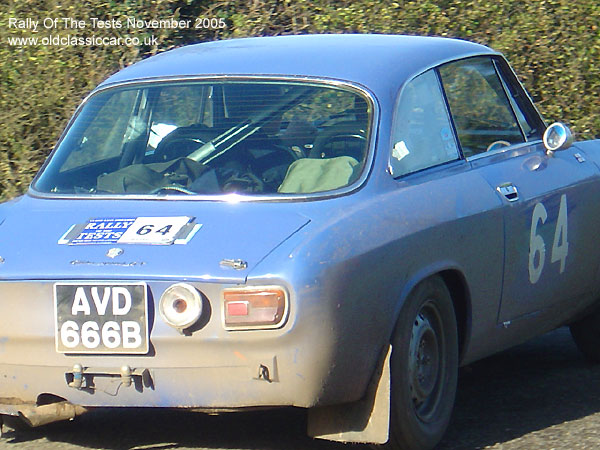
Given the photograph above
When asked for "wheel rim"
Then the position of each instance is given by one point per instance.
(426, 361)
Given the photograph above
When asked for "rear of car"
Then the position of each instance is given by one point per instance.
(134, 273)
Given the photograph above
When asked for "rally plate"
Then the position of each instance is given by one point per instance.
(101, 317)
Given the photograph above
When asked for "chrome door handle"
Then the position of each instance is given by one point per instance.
(509, 191)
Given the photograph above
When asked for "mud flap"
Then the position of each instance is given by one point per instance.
(366, 420)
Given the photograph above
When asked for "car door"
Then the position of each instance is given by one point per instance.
(548, 198)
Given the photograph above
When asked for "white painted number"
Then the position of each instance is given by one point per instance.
(560, 246)
(536, 244)
(537, 247)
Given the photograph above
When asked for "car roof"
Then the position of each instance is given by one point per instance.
(368, 59)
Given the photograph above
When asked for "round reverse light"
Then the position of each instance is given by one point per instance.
(180, 305)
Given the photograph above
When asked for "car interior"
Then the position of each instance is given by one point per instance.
(262, 138)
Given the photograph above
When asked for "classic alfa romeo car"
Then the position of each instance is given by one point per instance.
(330, 222)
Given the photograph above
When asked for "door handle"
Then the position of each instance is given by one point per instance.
(509, 191)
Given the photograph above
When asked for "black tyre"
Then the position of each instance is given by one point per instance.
(586, 334)
(424, 368)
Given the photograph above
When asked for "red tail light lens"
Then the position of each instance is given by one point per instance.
(254, 307)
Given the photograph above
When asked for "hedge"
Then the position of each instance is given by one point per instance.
(554, 46)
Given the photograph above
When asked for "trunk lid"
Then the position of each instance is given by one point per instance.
(247, 231)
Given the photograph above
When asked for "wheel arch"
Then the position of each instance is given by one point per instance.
(459, 291)
(454, 279)
(368, 420)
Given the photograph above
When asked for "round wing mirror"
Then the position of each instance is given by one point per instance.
(557, 137)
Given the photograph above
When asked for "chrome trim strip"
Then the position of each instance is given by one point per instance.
(504, 149)
(231, 198)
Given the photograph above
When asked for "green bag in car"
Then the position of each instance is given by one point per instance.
(316, 175)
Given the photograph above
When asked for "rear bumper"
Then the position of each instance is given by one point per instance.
(211, 368)
(219, 388)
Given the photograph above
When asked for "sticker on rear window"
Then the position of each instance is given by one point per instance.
(132, 230)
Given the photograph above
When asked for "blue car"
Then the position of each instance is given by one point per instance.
(332, 222)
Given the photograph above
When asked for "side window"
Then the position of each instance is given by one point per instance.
(104, 136)
(527, 129)
(531, 123)
(421, 135)
(481, 111)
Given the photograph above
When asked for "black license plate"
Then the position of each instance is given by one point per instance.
(101, 317)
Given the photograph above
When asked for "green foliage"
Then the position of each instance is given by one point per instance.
(554, 46)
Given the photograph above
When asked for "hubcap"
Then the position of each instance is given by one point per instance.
(425, 366)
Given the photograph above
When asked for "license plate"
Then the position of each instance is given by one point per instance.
(101, 317)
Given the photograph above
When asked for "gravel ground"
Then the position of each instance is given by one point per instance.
(540, 395)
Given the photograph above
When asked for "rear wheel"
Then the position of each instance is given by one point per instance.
(586, 334)
(424, 366)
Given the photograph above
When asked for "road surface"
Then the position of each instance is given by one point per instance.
(539, 395)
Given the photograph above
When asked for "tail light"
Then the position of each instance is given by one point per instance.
(256, 307)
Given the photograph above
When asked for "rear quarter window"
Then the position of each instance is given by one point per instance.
(422, 135)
